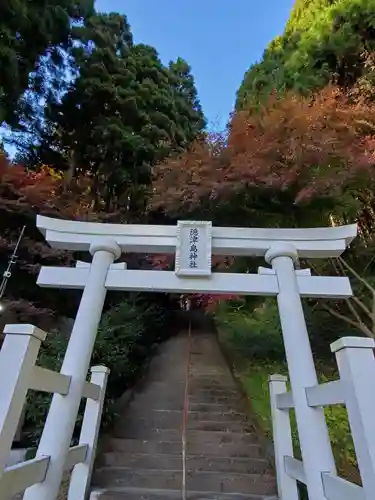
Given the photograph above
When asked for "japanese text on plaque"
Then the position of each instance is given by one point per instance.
(193, 249)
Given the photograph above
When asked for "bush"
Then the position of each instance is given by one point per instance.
(127, 336)
(256, 335)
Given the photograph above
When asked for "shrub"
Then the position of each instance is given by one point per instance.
(257, 335)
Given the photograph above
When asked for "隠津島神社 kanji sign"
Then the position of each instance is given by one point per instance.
(194, 248)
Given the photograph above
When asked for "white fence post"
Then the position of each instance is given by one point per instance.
(282, 439)
(356, 363)
(81, 475)
(63, 411)
(312, 427)
(17, 358)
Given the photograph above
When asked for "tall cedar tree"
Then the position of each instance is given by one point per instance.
(124, 113)
(325, 41)
(29, 30)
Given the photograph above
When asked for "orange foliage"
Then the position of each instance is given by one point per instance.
(315, 146)
(41, 191)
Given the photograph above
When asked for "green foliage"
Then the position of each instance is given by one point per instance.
(127, 336)
(29, 30)
(324, 41)
(256, 336)
(124, 113)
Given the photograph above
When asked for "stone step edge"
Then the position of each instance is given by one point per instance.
(192, 432)
(188, 457)
(95, 494)
(239, 427)
(145, 441)
(115, 468)
(228, 413)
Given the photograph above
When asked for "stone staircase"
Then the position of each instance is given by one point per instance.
(143, 459)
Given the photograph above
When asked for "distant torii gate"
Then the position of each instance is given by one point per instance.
(194, 243)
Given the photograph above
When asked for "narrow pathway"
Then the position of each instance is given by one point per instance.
(144, 458)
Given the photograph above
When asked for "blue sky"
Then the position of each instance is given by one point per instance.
(220, 39)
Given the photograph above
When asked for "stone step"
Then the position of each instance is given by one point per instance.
(223, 482)
(156, 419)
(217, 416)
(196, 389)
(223, 426)
(144, 494)
(214, 377)
(228, 400)
(135, 426)
(193, 436)
(205, 382)
(146, 403)
(196, 463)
(196, 383)
(172, 419)
(107, 477)
(216, 407)
(198, 392)
(153, 447)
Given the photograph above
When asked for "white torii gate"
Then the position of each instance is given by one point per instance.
(194, 243)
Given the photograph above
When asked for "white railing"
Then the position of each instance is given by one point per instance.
(355, 389)
(18, 374)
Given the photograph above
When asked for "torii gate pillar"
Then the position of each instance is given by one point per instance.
(56, 442)
(312, 428)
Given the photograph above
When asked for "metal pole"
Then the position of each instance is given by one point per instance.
(12, 260)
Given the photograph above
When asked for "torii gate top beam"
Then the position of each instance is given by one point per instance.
(141, 238)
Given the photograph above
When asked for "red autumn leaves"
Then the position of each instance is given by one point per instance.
(315, 146)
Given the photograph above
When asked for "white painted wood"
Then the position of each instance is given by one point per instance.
(336, 488)
(356, 363)
(25, 329)
(347, 232)
(331, 393)
(269, 270)
(312, 428)
(352, 343)
(193, 248)
(295, 469)
(76, 454)
(20, 476)
(63, 410)
(113, 267)
(218, 283)
(314, 242)
(46, 380)
(91, 391)
(81, 476)
(285, 401)
(17, 358)
(16, 456)
(282, 439)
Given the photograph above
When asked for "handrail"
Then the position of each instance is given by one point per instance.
(19, 374)
(20, 476)
(46, 380)
(356, 363)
